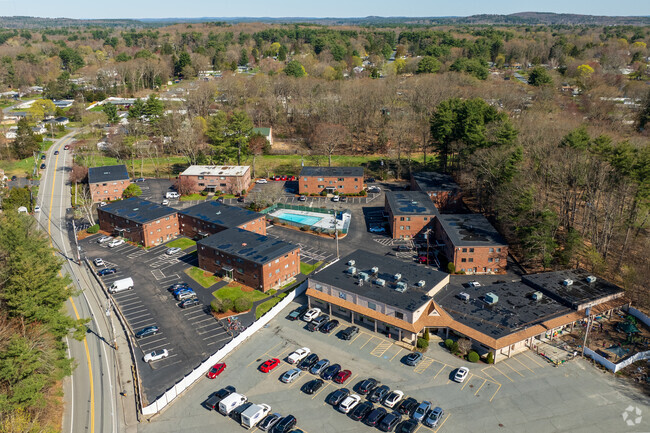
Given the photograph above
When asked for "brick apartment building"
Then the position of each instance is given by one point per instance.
(471, 243)
(344, 180)
(210, 217)
(139, 221)
(254, 260)
(229, 179)
(410, 213)
(107, 183)
(441, 188)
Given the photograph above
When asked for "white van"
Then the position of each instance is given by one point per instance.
(121, 285)
(254, 414)
(231, 402)
(172, 194)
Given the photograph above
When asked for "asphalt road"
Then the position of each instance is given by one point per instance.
(90, 393)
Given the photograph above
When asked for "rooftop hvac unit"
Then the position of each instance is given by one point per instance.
(374, 270)
(591, 279)
(397, 277)
(351, 270)
(420, 283)
(401, 287)
(380, 282)
(537, 296)
(351, 263)
(463, 296)
(567, 282)
(364, 276)
(491, 298)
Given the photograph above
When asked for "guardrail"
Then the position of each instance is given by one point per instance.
(161, 402)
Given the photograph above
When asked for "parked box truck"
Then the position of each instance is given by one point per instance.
(254, 414)
(232, 401)
(121, 285)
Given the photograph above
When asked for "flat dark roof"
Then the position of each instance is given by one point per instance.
(332, 171)
(248, 245)
(514, 311)
(411, 299)
(220, 214)
(138, 210)
(108, 173)
(434, 181)
(578, 293)
(470, 230)
(410, 203)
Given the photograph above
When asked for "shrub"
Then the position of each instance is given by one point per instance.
(451, 268)
(93, 229)
(303, 228)
(454, 348)
(473, 356)
(422, 344)
(464, 345)
(216, 305)
(243, 192)
(448, 343)
(226, 304)
(426, 335)
(490, 358)
(204, 193)
(243, 304)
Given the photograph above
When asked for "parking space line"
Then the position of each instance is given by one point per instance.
(358, 335)
(488, 375)
(321, 390)
(531, 358)
(525, 366)
(131, 307)
(423, 365)
(372, 337)
(512, 368)
(440, 371)
(502, 373)
(495, 392)
(484, 382)
(442, 423)
(398, 352)
(153, 341)
(134, 322)
(381, 348)
(218, 341)
(467, 381)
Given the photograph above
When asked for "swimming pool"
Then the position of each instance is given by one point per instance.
(307, 220)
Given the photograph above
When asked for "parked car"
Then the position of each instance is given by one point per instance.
(336, 198)
(261, 181)
(116, 243)
(343, 198)
(42, 166)
(423, 260)
(362, 410)
(413, 358)
(99, 262)
(371, 180)
(285, 424)
(236, 413)
(374, 189)
(103, 239)
(298, 355)
(295, 314)
(173, 250)
(190, 302)
(156, 355)
(406, 407)
(390, 421)
(43, 157)
(375, 416)
(318, 368)
(165, 202)
(37, 209)
(13, 178)
(106, 271)
(349, 403)
(180, 290)
(291, 375)
(329, 326)
(291, 178)
(216, 370)
(331, 371)
(408, 426)
(172, 194)
(308, 362)
(311, 314)
(145, 332)
(178, 286)
(187, 294)
(213, 401)
(269, 365)
(241, 199)
(368, 385)
(378, 394)
(56, 152)
(313, 385)
(377, 229)
(402, 248)
(269, 421)
(139, 179)
(461, 374)
(337, 396)
(421, 411)
(433, 418)
(342, 376)
(302, 198)
(316, 323)
(350, 332)
(393, 398)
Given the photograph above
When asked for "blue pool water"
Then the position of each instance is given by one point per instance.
(301, 219)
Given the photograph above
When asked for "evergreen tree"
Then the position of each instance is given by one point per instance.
(24, 145)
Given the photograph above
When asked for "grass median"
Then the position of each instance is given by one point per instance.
(181, 243)
(267, 305)
(307, 269)
(205, 279)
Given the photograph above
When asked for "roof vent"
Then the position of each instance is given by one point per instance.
(243, 244)
(364, 276)
(351, 263)
(380, 282)
(591, 279)
(463, 296)
(491, 298)
(537, 296)
(397, 277)
(374, 270)
(351, 270)
(420, 283)
(567, 282)
(401, 287)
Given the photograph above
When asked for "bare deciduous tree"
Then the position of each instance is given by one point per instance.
(328, 137)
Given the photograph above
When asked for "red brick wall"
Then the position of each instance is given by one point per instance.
(108, 191)
(148, 234)
(190, 226)
(407, 226)
(251, 274)
(227, 184)
(314, 184)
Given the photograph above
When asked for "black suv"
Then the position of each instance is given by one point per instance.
(215, 398)
(375, 416)
(349, 333)
(308, 362)
(285, 424)
(315, 324)
(362, 410)
(390, 421)
(407, 406)
(378, 394)
(367, 386)
(329, 326)
(313, 386)
(298, 312)
(337, 396)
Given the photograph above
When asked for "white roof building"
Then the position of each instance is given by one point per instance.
(216, 170)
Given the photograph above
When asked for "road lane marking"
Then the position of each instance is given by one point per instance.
(90, 374)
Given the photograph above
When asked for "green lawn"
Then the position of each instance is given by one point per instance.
(267, 305)
(18, 168)
(236, 292)
(182, 243)
(199, 275)
(224, 196)
(308, 269)
(193, 197)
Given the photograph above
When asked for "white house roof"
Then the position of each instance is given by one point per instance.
(215, 170)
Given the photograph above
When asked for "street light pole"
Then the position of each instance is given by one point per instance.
(76, 242)
(110, 316)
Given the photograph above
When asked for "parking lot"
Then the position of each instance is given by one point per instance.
(190, 335)
(523, 393)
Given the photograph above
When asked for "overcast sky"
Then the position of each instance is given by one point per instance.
(309, 8)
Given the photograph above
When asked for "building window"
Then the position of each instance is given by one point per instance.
(341, 179)
(356, 179)
(372, 306)
(471, 260)
(471, 250)
(463, 260)
(200, 177)
(319, 186)
(490, 260)
(491, 250)
(399, 315)
(401, 218)
(496, 260)
(240, 270)
(408, 218)
(320, 179)
(464, 250)
(401, 227)
(426, 218)
(408, 227)
(498, 250)
(305, 179)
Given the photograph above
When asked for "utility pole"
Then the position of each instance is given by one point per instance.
(110, 316)
(584, 343)
(426, 235)
(76, 242)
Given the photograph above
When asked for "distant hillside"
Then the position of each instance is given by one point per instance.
(36, 22)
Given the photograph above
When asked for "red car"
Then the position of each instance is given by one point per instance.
(291, 178)
(276, 177)
(216, 370)
(422, 259)
(269, 365)
(283, 177)
(66, 147)
(342, 376)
